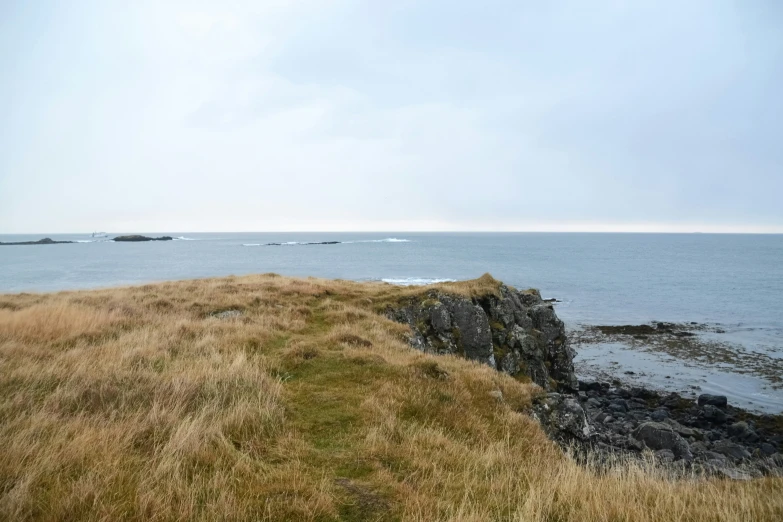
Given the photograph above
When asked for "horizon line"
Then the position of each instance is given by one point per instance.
(390, 231)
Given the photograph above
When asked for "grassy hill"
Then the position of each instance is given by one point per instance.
(273, 398)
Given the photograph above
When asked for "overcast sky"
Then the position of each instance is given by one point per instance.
(379, 115)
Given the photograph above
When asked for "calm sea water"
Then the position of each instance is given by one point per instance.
(601, 278)
(733, 280)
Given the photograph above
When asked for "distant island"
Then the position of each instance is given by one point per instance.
(136, 238)
(44, 241)
(120, 239)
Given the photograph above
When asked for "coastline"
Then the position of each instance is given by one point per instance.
(396, 401)
(687, 358)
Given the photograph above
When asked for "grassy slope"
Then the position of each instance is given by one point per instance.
(137, 404)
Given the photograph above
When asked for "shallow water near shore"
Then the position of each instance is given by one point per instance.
(618, 362)
(732, 281)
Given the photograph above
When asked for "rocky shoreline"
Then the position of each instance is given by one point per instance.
(518, 332)
(706, 435)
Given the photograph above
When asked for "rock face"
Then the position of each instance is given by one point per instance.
(44, 241)
(137, 238)
(515, 332)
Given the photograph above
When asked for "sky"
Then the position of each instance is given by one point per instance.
(407, 116)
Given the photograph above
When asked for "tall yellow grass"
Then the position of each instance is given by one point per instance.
(141, 404)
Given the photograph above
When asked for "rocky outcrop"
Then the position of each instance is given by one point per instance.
(515, 332)
(44, 241)
(518, 333)
(137, 238)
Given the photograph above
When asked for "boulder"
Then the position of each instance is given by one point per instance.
(680, 429)
(659, 415)
(731, 450)
(659, 436)
(713, 400)
(562, 418)
(712, 414)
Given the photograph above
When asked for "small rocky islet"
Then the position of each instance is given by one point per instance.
(44, 241)
(519, 333)
(120, 239)
(138, 238)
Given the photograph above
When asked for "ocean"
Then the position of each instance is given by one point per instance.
(734, 281)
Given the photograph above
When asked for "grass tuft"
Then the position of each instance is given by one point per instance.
(142, 404)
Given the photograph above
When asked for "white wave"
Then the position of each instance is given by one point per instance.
(85, 241)
(251, 244)
(416, 281)
(183, 238)
(387, 240)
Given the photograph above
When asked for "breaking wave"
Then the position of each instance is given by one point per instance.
(294, 243)
(387, 240)
(416, 281)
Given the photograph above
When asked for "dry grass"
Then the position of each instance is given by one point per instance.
(140, 404)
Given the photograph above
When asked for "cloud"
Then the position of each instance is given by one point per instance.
(288, 115)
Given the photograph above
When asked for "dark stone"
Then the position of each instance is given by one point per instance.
(642, 393)
(659, 415)
(563, 418)
(731, 450)
(713, 400)
(712, 413)
(658, 436)
(618, 405)
(593, 403)
(594, 386)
